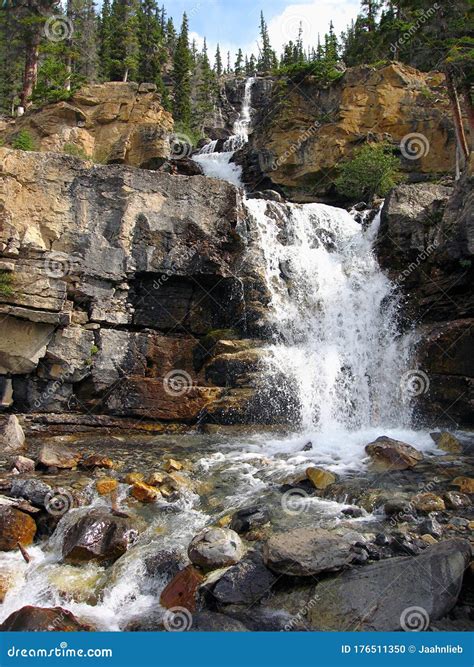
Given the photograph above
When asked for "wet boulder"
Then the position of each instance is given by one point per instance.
(395, 594)
(12, 438)
(208, 621)
(15, 528)
(58, 456)
(98, 536)
(42, 619)
(22, 464)
(320, 478)
(32, 489)
(393, 454)
(182, 589)
(245, 583)
(304, 552)
(249, 518)
(213, 548)
(166, 563)
(447, 442)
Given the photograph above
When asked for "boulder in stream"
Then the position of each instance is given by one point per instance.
(15, 528)
(393, 454)
(98, 536)
(214, 547)
(395, 594)
(12, 438)
(304, 552)
(42, 619)
(245, 583)
(58, 456)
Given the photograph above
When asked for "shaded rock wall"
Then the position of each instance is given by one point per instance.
(426, 243)
(123, 287)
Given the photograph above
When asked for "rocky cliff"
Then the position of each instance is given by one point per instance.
(302, 130)
(115, 123)
(127, 292)
(426, 244)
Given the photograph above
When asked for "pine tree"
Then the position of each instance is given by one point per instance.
(105, 41)
(252, 66)
(150, 39)
(239, 64)
(11, 60)
(331, 46)
(171, 36)
(124, 48)
(182, 65)
(218, 62)
(206, 89)
(267, 56)
(84, 41)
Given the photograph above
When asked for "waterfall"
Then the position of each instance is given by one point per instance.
(241, 126)
(219, 165)
(334, 317)
(333, 311)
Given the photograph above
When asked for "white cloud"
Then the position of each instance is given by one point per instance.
(314, 17)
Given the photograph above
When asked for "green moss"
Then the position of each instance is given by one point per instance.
(94, 350)
(6, 283)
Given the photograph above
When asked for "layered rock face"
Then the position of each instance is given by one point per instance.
(305, 130)
(127, 292)
(114, 123)
(426, 243)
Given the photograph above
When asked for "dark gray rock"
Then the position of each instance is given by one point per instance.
(375, 597)
(430, 526)
(208, 621)
(34, 490)
(246, 583)
(305, 552)
(249, 518)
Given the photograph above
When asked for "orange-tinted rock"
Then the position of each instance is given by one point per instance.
(466, 484)
(133, 477)
(42, 619)
(97, 461)
(144, 492)
(181, 591)
(15, 528)
(393, 454)
(106, 485)
(428, 502)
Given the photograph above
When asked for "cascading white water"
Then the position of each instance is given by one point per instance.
(332, 311)
(219, 165)
(241, 126)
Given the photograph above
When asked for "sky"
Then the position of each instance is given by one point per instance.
(235, 23)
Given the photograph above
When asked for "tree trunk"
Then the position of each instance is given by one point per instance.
(31, 68)
(125, 76)
(469, 108)
(457, 117)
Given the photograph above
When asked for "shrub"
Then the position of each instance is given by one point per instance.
(371, 170)
(23, 141)
(75, 151)
(6, 283)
